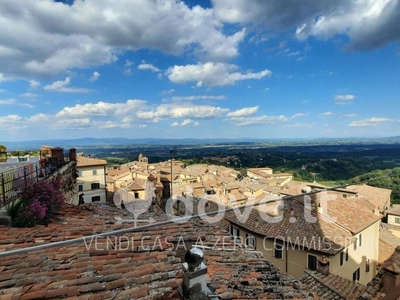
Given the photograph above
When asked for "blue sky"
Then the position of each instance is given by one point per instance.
(199, 69)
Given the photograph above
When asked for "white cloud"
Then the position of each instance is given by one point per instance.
(103, 109)
(368, 23)
(128, 63)
(62, 86)
(299, 125)
(351, 115)
(33, 84)
(211, 74)
(344, 99)
(183, 110)
(374, 121)
(261, 120)
(327, 114)
(28, 95)
(298, 115)
(95, 76)
(12, 123)
(247, 111)
(167, 92)
(186, 122)
(57, 37)
(198, 97)
(14, 102)
(150, 67)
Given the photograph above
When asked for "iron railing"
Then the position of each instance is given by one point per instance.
(13, 180)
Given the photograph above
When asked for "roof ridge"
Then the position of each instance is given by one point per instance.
(330, 287)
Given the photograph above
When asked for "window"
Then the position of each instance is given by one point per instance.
(95, 198)
(95, 186)
(137, 195)
(278, 250)
(235, 232)
(80, 187)
(355, 244)
(312, 261)
(356, 275)
(94, 172)
(360, 240)
(344, 256)
(367, 266)
(397, 220)
(250, 241)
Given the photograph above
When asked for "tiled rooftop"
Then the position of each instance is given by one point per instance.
(333, 287)
(376, 196)
(83, 161)
(141, 265)
(295, 225)
(394, 210)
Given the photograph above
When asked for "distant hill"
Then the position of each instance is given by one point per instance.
(104, 142)
(388, 179)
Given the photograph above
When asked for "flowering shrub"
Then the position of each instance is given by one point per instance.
(37, 203)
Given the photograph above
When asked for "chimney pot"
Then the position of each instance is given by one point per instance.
(194, 273)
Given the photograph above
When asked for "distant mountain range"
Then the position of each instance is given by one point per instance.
(110, 142)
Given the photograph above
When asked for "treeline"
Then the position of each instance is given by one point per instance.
(388, 179)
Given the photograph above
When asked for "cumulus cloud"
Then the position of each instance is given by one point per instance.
(150, 67)
(63, 86)
(368, 23)
(187, 122)
(95, 76)
(327, 113)
(33, 84)
(374, 121)
(351, 115)
(14, 102)
(344, 99)
(57, 37)
(198, 97)
(261, 120)
(247, 111)
(28, 95)
(103, 109)
(299, 125)
(167, 92)
(211, 74)
(298, 115)
(187, 110)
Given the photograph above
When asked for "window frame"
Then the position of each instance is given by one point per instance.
(367, 266)
(80, 187)
(251, 241)
(344, 256)
(397, 220)
(309, 266)
(94, 172)
(356, 275)
(234, 230)
(278, 251)
(96, 199)
(96, 184)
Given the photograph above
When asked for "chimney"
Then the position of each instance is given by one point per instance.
(278, 209)
(377, 211)
(323, 265)
(72, 154)
(320, 209)
(391, 274)
(194, 275)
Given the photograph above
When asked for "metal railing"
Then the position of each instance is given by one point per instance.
(14, 179)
